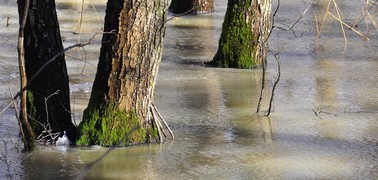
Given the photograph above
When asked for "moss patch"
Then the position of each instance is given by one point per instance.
(110, 126)
(238, 42)
(32, 113)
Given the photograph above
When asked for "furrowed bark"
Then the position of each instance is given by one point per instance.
(123, 90)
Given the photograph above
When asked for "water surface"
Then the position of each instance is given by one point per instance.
(212, 111)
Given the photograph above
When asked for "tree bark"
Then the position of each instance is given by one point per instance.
(123, 90)
(23, 122)
(42, 41)
(191, 6)
(245, 32)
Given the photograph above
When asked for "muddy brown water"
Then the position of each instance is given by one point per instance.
(212, 111)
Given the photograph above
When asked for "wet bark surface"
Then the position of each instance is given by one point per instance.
(243, 42)
(129, 59)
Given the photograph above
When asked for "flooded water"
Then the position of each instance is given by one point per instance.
(212, 110)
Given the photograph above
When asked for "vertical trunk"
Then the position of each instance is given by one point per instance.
(191, 6)
(42, 41)
(25, 127)
(243, 41)
(122, 93)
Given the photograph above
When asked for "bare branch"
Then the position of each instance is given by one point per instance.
(182, 14)
(8, 38)
(277, 57)
(80, 20)
(351, 28)
(264, 62)
(290, 28)
(262, 86)
(80, 45)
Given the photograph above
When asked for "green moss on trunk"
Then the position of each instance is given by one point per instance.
(110, 126)
(239, 38)
(32, 111)
(123, 90)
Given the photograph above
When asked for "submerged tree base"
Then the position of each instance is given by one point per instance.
(245, 31)
(111, 126)
(191, 6)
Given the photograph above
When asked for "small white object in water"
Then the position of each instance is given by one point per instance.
(63, 141)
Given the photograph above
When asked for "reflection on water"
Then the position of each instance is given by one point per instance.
(211, 110)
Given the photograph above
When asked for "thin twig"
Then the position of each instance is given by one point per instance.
(262, 87)
(94, 8)
(374, 23)
(264, 62)
(317, 48)
(363, 17)
(44, 66)
(16, 111)
(367, 25)
(324, 18)
(341, 25)
(338, 18)
(80, 21)
(316, 113)
(8, 38)
(290, 28)
(179, 15)
(277, 57)
(351, 28)
(317, 24)
(47, 111)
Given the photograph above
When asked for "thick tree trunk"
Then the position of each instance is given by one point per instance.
(48, 103)
(245, 32)
(191, 6)
(122, 93)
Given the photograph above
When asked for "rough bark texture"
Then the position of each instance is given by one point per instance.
(122, 93)
(191, 6)
(42, 41)
(243, 41)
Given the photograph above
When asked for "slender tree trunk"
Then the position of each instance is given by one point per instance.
(191, 6)
(48, 104)
(25, 127)
(245, 32)
(123, 90)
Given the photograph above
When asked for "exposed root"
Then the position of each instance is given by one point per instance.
(158, 125)
(159, 121)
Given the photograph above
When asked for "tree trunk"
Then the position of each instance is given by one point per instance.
(26, 130)
(122, 93)
(48, 103)
(191, 6)
(245, 32)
